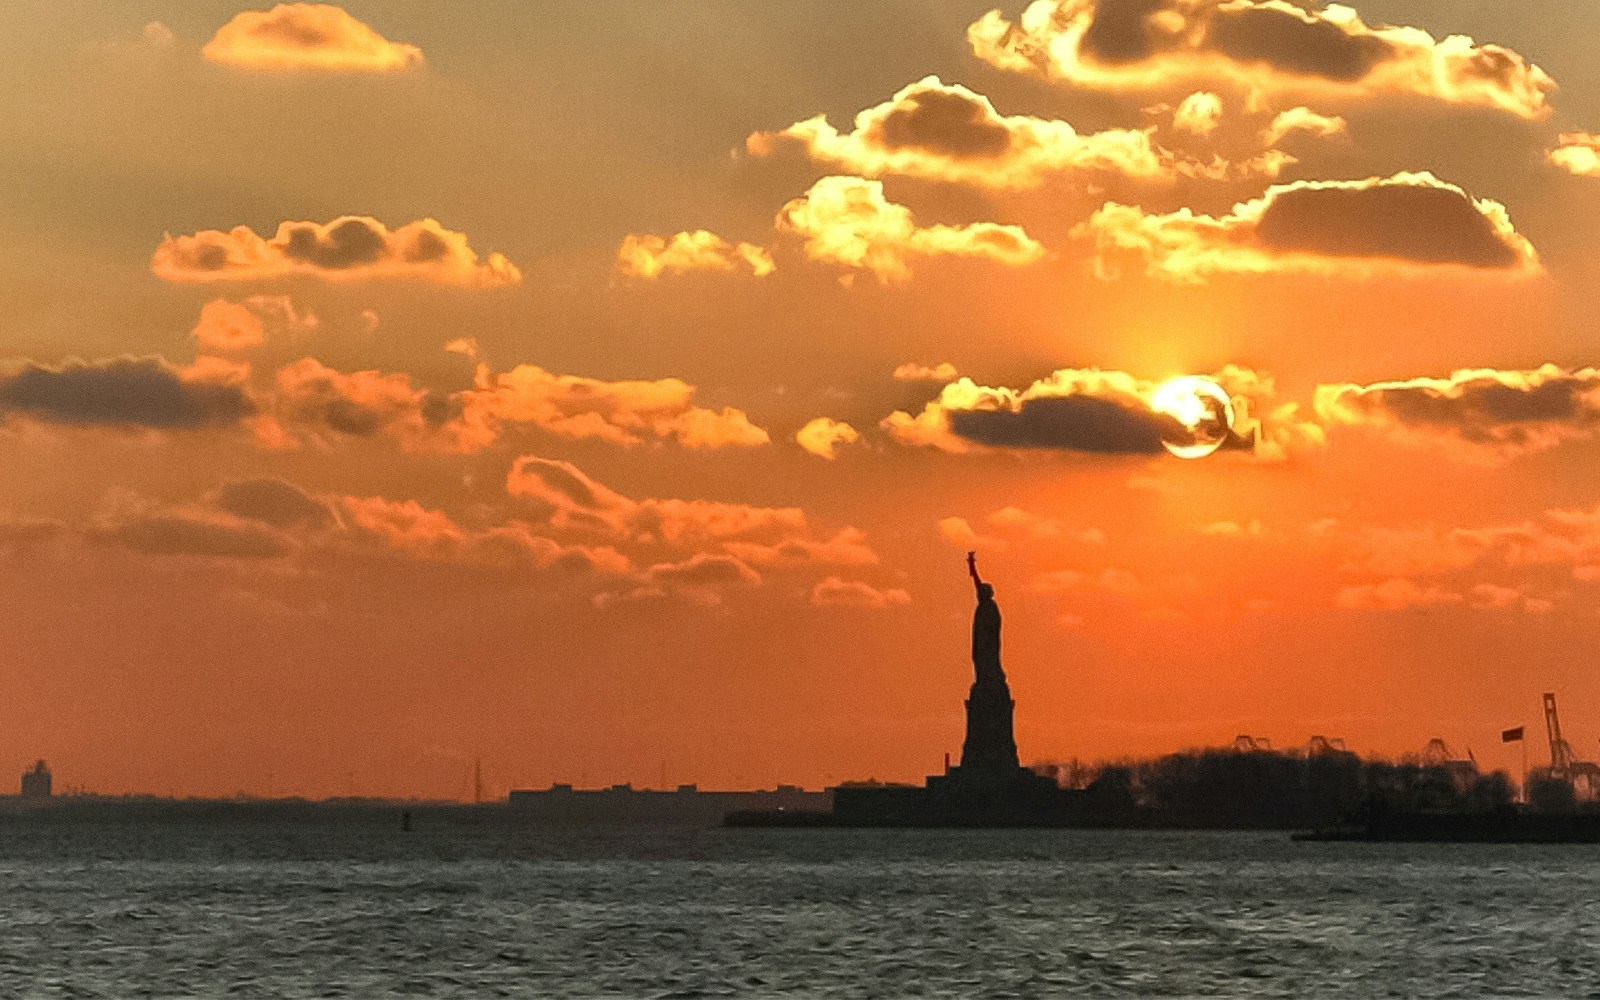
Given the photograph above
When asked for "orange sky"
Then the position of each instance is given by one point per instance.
(611, 393)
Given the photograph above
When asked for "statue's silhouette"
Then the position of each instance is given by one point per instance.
(990, 747)
(985, 628)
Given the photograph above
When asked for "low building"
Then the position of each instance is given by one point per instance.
(36, 783)
(686, 804)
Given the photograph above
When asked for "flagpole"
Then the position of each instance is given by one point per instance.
(1523, 742)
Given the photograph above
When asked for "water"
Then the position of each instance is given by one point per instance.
(341, 903)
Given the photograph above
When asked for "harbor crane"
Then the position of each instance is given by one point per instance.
(1583, 775)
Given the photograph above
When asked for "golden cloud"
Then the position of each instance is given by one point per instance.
(823, 436)
(944, 371)
(568, 498)
(408, 529)
(350, 248)
(946, 132)
(1397, 594)
(226, 327)
(1479, 413)
(307, 36)
(833, 592)
(848, 222)
(1405, 222)
(846, 548)
(1302, 120)
(727, 539)
(624, 412)
(1578, 153)
(310, 398)
(1262, 46)
(649, 256)
(1198, 114)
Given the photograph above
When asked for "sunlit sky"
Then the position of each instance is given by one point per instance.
(611, 392)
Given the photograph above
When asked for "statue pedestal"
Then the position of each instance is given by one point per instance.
(991, 746)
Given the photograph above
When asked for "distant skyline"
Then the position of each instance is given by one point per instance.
(611, 393)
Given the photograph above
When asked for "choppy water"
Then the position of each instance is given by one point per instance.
(347, 905)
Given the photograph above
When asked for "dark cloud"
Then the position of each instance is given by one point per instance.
(704, 570)
(179, 534)
(1512, 410)
(1414, 222)
(130, 392)
(1068, 423)
(16, 534)
(1130, 31)
(350, 242)
(945, 122)
(1122, 31)
(273, 502)
(1292, 44)
(1284, 46)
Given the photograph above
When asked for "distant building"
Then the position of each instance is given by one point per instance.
(36, 783)
(562, 803)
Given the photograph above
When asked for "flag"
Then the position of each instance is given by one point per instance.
(1511, 735)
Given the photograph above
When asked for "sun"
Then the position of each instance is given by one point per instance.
(1202, 411)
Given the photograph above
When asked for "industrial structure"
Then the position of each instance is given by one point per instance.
(36, 783)
(1567, 776)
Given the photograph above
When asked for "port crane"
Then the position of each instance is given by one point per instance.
(1583, 775)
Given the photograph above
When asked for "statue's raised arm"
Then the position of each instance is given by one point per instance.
(972, 568)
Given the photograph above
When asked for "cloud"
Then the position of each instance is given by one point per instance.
(23, 534)
(912, 372)
(725, 542)
(1477, 413)
(703, 570)
(1302, 120)
(307, 36)
(847, 221)
(833, 592)
(701, 579)
(407, 529)
(1233, 529)
(350, 248)
(186, 533)
(625, 412)
(1578, 153)
(226, 327)
(272, 502)
(310, 399)
(823, 436)
(1269, 47)
(567, 497)
(649, 256)
(958, 533)
(1446, 564)
(1037, 527)
(123, 392)
(310, 395)
(846, 548)
(1401, 223)
(1084, 410)
(155, 41)
(946, 132)
(1398, 594)
(1093, 411)
(1198, 114)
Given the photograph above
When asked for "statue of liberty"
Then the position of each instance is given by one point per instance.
(990, 747)
(985, 629)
